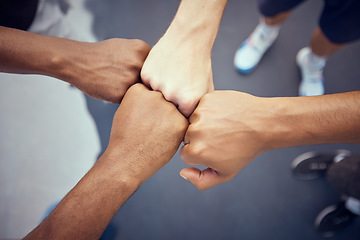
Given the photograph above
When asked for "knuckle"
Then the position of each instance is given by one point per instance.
(146, 75)
(168, 93)
(141, 46)
(194, 131)
(183, 153)
(183, 123)
(187, 103)
(197, 150)
(158, 95)
(180, 123)
(187, 100)
(201, 186)
(137, 88)
(206, 97)
(186, 159)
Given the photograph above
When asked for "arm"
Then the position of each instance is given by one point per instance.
(103, 70)
(179, 65)
(137, 149)
(229, 129)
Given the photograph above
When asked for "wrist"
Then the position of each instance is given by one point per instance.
(196, 35)
(64, 59)
(260, 117)
(197, 23)
(292, 122)
(116, 164)
(278, 127)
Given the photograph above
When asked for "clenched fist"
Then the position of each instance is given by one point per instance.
(180, 71)
(147, 131)
(105, 70)
(226, 132)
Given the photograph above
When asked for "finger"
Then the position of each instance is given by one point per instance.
(136, 88)
(145, 81)
(195, 116)
(187, 136)
(187, 106)
(202, 180)
(186, 157)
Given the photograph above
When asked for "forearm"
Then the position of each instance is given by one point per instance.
(88, 208)
(324, 119)
(29, 53)
(137, 150)
(197, 21)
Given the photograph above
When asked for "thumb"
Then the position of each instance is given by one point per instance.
(202, 179)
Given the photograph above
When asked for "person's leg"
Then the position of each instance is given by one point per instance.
(312, 60)
(321, 46)
(338, 25)
(274, 13)
(278, 19)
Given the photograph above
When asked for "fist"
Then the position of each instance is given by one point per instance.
(179, 72)
(105, 70)
(146, 129)
(226, 132)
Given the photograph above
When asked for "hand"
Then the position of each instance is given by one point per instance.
(146, 133)
(105, 70)
(180, 71)
(147, 130)
(226, 132)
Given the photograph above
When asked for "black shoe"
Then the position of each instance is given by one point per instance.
(333, 219)
(312, 165)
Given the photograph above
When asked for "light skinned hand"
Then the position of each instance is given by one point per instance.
(180, 71)
(147, 131)
(225, 134)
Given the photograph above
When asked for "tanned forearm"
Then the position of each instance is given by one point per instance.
(89, 207)
(137, 150)
(103, 70)
(228, 129)
(324, 119)
(29, 53)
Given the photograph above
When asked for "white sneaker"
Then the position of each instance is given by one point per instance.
(312, 80)
(249, 54)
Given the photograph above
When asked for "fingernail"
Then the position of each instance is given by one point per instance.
(183, 177)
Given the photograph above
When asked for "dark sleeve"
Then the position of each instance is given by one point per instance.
(17, 14)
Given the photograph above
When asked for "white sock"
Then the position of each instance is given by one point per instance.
(353, 205)
(316, 62)
(268, 31)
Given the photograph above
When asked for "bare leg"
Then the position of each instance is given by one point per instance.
(277, 19)
(321, 45)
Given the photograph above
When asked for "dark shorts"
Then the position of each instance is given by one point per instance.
(344, 176)
(339, 20)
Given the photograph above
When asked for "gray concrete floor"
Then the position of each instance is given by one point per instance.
(48, 140)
